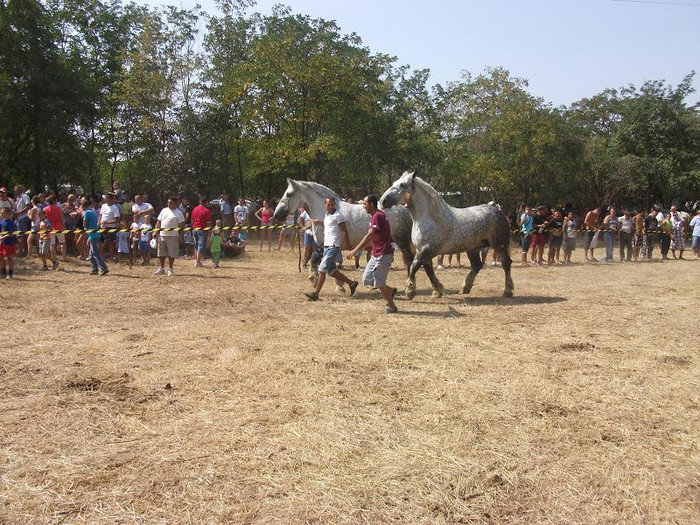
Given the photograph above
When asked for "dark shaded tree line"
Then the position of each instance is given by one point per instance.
(173, 100)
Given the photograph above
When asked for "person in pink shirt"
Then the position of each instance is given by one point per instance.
(201, 218)
(55, 216)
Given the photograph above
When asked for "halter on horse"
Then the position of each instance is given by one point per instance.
(440, 228)
(312, 195)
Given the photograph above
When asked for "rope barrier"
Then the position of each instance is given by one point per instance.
(152, 230)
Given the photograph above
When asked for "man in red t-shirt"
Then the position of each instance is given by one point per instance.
(201, 218)
(379, 238)
(55, 217)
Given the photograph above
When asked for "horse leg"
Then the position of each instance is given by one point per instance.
(475, 260)
(418, 261)
(438, 288)
(506, 263)
(407, 256)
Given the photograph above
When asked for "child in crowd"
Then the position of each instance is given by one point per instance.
(45, 242)
(8, 243)
(214, 243)
(123, 243)
(135, 237)
(145, 240)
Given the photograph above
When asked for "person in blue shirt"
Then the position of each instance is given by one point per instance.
(90, 221)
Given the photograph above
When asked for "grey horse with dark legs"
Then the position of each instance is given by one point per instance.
(311, 195)
(439, 228)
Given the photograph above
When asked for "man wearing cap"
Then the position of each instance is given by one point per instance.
(22, 206)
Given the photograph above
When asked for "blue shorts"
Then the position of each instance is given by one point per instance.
(200, 240)
(696, 242)
(328, 263)
(309, 239)
(23, 225)
(145, 246)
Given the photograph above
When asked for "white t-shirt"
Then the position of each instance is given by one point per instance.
(331, 226)
(140, 208)
(241, 213)
(109, 214)
(145, 232)
(20, 202)
(170, 219)
(626, 224)
(695, 224)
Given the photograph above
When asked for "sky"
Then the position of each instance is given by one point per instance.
(566, 49)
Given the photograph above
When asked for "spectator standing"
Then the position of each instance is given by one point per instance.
(626, 230)
(539, 229)
(610, 225)
(45, 242)
(215, 243)
(264, 215)
(240, 216)
(8, 243)
(145, 240)
(123, 248)
(638, 242)
(665, 232)
(168, 241)
(569, 228)
(556, 237)
(71, 219)
(6, 202)
(379, 238)
(226, 216)
(201, 219)
(140, 209)
(186, 208)
(21, 216)
(525, 223)
(55, 216)
(110, 214)
(91, 221)
(677, 232)
(650, 225)
(695, 225)
(591, 223)
(335, 232)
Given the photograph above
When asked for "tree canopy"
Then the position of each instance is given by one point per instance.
(171, 100)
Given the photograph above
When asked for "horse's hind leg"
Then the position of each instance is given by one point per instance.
(475, 260)
(506, 264)
(407, 256)
(438, 288)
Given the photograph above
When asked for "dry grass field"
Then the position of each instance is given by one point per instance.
(225, 396)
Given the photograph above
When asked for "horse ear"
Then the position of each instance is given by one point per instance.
(291, 182)
(413, 180)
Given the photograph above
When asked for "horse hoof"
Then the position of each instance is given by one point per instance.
(508, 293)
(410, 294)
(437, 294)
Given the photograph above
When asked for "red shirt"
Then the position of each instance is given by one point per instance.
(200, 216)
(381, 235)
(54, 215)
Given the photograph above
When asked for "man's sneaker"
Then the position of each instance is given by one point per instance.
(104, 272)
(198, 264)
(160, 271)
(54, 265)
(93, 272)
(8, 277)
(391, 310)
(440, 267)
(170, 272)
(313, 296)
(353, 287)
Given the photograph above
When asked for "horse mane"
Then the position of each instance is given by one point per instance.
(320, 190)
(435, 202)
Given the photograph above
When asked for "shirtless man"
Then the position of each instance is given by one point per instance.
(591, 223)
(638, 241)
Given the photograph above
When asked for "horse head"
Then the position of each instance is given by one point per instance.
(400, 192)
(283, 207)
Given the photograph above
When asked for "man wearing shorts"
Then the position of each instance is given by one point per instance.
(379, 237)
(591, 224)
(201, 219)
(168, 241)
(334, 226)
(22, 207)
(525, 222)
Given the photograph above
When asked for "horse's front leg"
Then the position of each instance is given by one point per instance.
(418, 261)
(438, 288)
(475, 260)
(407, 256)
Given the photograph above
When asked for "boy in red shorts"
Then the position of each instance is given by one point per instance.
(8, 243)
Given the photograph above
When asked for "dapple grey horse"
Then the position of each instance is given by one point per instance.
(440, 228)
(312, 195)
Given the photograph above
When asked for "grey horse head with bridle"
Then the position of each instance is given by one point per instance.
(439, 228)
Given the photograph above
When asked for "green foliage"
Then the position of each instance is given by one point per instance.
(92, 92)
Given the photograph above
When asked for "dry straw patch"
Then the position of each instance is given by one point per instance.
(226, 396)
